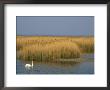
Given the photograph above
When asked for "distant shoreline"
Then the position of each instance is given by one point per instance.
(55, 36)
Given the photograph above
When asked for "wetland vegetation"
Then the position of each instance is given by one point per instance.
(53, 48)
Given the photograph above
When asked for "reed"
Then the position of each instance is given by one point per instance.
(48, 48)
(86, 45)
(54, 51)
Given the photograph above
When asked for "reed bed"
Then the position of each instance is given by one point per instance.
(48, 48)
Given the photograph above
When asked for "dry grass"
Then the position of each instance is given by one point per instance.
(46, 48)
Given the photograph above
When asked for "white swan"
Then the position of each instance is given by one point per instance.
(29, 66)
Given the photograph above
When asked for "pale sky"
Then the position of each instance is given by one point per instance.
(55, 25)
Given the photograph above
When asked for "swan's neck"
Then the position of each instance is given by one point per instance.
(32, 63)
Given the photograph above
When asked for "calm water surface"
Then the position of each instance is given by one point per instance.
(84, 67)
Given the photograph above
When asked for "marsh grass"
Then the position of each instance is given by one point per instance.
(48, 48)
(86, 45)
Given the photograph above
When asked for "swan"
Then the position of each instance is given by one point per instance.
(29, 66)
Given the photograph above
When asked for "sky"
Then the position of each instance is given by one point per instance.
(55, 25)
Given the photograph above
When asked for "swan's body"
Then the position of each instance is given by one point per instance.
(29, 66)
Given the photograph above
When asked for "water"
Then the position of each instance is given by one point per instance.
(84, 67)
